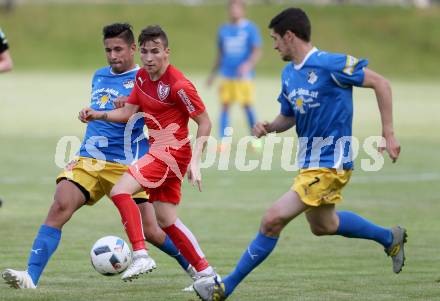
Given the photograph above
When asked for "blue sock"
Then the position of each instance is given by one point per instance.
(354, 226)
(224, 122)
(250, 113)
(44, 246)
(169, 248)
(256, 252)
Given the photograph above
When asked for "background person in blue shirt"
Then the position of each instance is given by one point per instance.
(239, 49)
(316, 96)
(101, 161)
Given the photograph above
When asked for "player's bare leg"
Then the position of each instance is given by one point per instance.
(131, 219)
(67, 199)
(281, 213)
(323, 220)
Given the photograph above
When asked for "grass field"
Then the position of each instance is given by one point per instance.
(38, 108)
(399, 41)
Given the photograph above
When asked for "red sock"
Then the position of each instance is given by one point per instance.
(131, 219)
(187, 244)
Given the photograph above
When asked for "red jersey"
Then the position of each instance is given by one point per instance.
(169, 102)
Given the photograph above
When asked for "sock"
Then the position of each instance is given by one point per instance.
(354, 226)
(131, 219)
(169, 248)
(224, 122)
(45, 244)
(250, 113)
(185, 241)
(255, 254)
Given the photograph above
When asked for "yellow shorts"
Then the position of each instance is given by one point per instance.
(321, 186)
(96, 177)
(242, 91)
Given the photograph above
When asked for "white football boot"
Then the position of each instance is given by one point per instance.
(18, 279)
(141, 264)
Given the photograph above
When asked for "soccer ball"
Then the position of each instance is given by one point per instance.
(110, 255)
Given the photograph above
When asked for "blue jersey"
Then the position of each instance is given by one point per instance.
(235, 43)
(319, 94)
(111, 141)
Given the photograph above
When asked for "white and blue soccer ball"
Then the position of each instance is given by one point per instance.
(110, 255)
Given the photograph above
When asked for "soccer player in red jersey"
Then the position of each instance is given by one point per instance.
(168, 100)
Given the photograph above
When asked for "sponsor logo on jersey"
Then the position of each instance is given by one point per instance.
(163, 91)
(312, 77)
(186, 100)
(128, 84)
(141, 81)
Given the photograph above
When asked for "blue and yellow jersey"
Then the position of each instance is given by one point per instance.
(319, 94)
(235, 43)
(111, 141)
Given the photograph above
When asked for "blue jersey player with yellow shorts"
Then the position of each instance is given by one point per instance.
(316, 97)
(102, 159)
(239, 49)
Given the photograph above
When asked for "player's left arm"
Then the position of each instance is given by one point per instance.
(203, 132)
(119, 115)
(382, 88)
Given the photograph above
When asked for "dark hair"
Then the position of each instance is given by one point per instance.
(293, 19)
(119, 30)
(152, 33)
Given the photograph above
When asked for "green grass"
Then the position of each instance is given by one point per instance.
(39, 108)
(400, 42)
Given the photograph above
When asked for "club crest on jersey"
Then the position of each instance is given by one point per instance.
(128, 84)
(312, 77)
(163, 91)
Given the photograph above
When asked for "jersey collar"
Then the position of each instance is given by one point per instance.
(299, 66)
(128, 71)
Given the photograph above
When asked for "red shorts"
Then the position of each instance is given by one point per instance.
(162, 181)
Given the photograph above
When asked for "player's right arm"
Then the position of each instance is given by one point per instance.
(280, 124)
(119, 115)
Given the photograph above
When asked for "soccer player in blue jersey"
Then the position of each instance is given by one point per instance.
(239, 49)
(101, 161)
(316, 97)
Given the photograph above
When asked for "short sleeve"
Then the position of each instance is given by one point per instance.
(187, 98)
(286, 107)
(347, 70)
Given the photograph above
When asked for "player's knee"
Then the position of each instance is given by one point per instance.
(272, 223)
(322, 229)
(61, 204)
